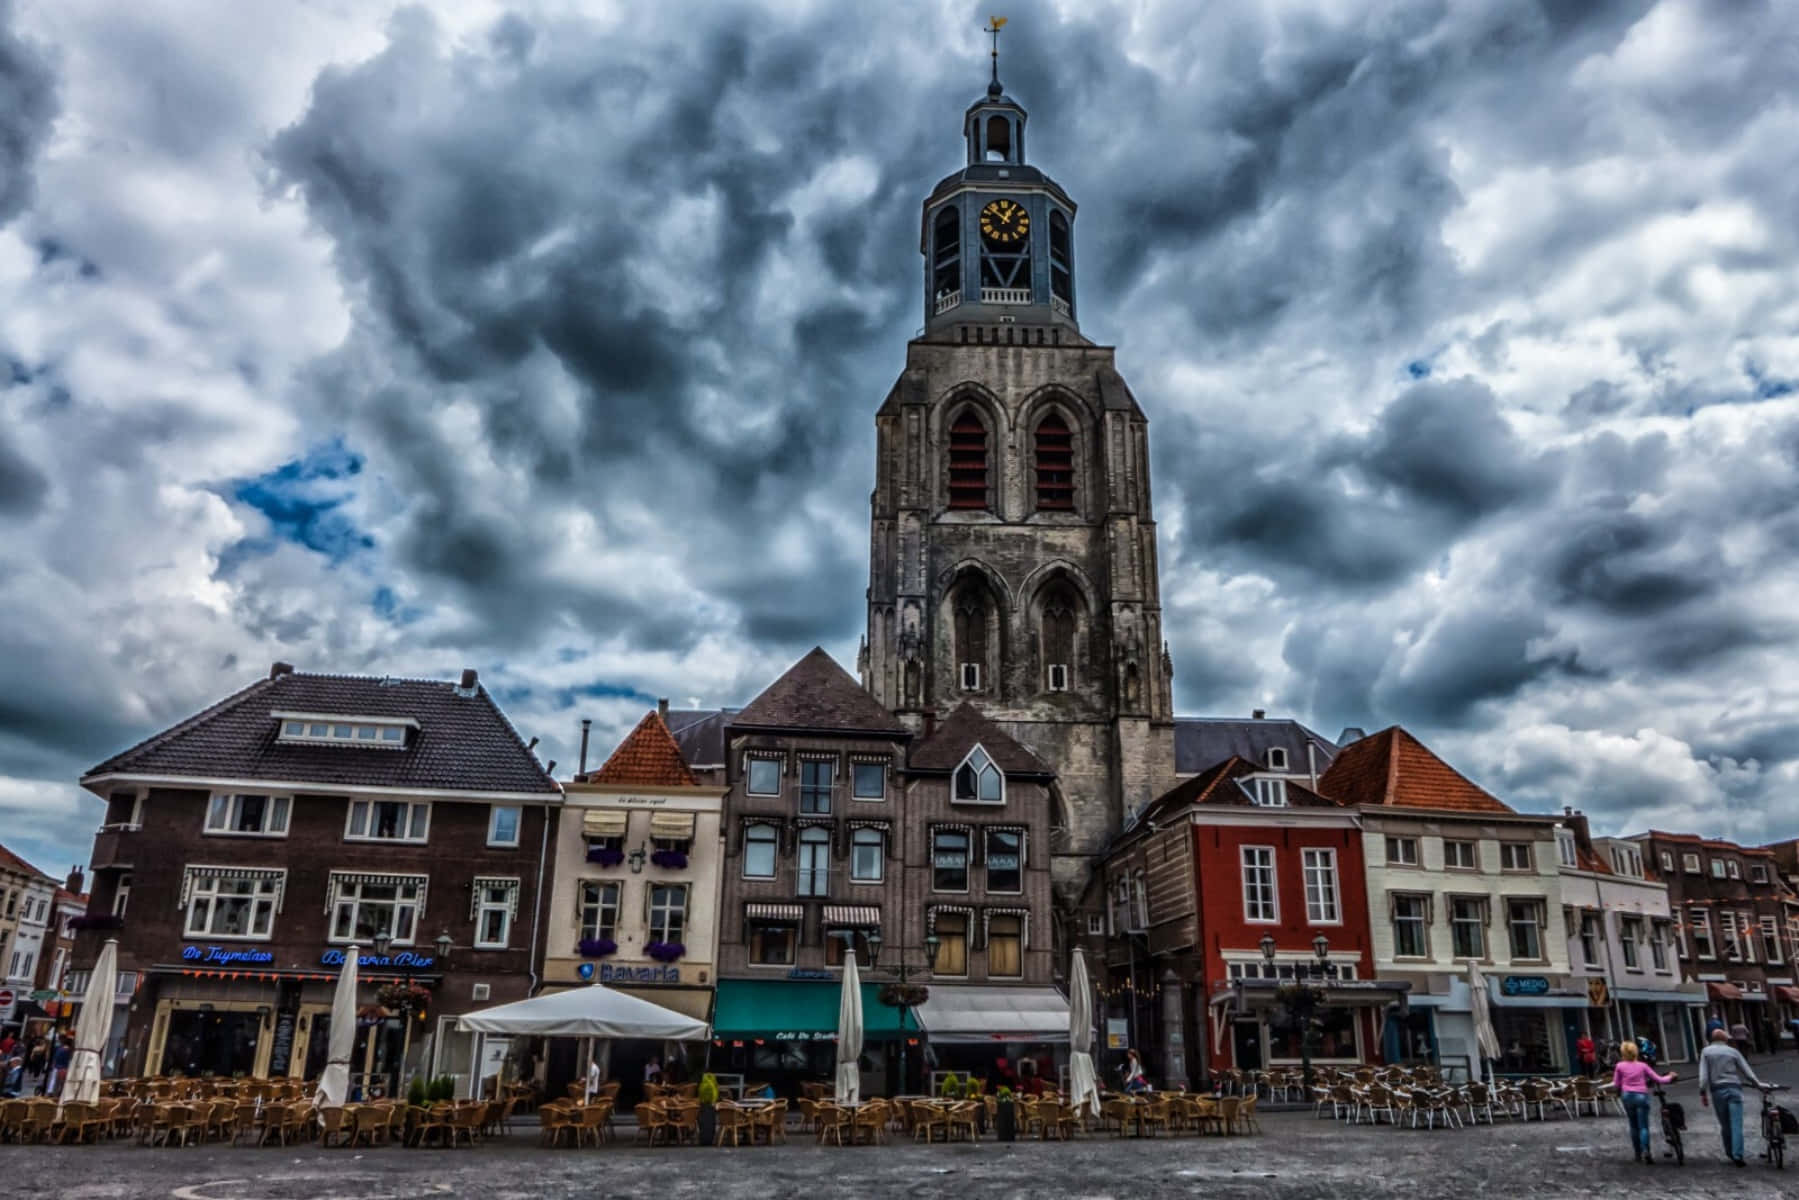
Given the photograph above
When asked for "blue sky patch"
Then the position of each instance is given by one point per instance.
(302, 499)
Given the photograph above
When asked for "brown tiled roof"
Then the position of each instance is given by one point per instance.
(1217, 785)
(951, 741)
(463, 742)
(647, 757)
(1394, 769)
(816, 693)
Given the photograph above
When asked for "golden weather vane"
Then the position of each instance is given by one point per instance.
(994, 25)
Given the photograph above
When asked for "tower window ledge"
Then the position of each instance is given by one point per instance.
(1057, 305)
(1005, 295)
(947, 301)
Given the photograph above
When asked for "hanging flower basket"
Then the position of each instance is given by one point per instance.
(904, 995)
(402, 997)
(665, 951)
(597, 947)
(673, 860)
(605, 856)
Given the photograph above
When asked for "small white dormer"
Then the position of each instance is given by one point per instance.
(1277, 758)
(977, 780)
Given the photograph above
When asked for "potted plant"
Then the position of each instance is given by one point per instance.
(605, 856)
(665, 952)
(1005, 1116)
(708, 1098)
(951, 1087)
(673, 860)
(597, 947)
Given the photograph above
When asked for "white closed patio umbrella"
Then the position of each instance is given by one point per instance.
(82, 1085)
(1081, 1078)
(1485, 1039)
(849, 1033)
(334, 1080)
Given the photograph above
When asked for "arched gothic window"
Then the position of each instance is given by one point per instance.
(967, 461)
(1058, 640)
(978, 781)
(1055, 464)
(971, 639)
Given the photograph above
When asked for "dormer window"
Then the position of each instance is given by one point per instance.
(1277, 758)
(978, 781)
(373, 733)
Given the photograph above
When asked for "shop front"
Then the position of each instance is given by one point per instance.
(1664, 1015)
(674, 986)
(1536, 1023)
(991, 1032)
(1264, 1023)
(784, 1032)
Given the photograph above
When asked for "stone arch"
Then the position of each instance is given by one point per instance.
(1054, 401)
(975, 615)
(1060, 607)
(956, 446)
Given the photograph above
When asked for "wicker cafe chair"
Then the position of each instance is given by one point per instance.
(556, 1120)
(928, 1120)
(592, 1121)
(653, 1122)
(1229, 1109)
(368, 1125)
(833, 1122)
(732, 1122)
(1246, 1115)
(964, 1117)
(771, 1120)
(465, 1124)
(1477, 1098)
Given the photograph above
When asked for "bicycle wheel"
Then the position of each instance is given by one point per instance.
(1777, 1152)
(1680, 1151)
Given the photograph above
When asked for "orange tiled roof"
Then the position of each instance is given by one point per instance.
(648, 757)
(1693, 839)
(12, 862)
(1394, 769)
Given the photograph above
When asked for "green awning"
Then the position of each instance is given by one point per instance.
(799, 1010)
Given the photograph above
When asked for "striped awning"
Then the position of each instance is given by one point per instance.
(774, 912)
(604, 822)
(852, 916)
(674, 826)
(277, 875)
(483, 882)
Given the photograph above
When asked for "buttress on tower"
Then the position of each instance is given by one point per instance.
(1013, 556)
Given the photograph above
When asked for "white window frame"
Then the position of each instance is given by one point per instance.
(1318, 865)
(1510, 849)
(811, 879)
(987, 943)
(1689, 864)
(1277, 758)
(1270, 792)
(1535, 909)
(859, 841)
(1565, 847)
(233, 805)
(121, 896)
(1700, 923)
(1667, 861)
(506, 904)
(200, 885)
(1770, 931)
(1473, 848)
(493, 821)
(1096, 925)
(749, 773)
(812, 792)
(1630, 942)
(980, 762)
(1758, 872)
(971, 677)
(1731, 869)
(1399, 843)
(664, 912)
(1591, 935)
(1730, 944)
(343, 882)
(1479, 923)
(774, 849)
(987, 865)
(367, 733)
(1058, 677)
(594, 904)
(1658, 945)
(1423, 922)
(967, 860)
(1259, 876)
(367, 810)
(1717, 868)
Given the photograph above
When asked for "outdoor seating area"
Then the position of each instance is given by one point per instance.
(1417, 1097)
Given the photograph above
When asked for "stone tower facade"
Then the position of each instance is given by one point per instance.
(1013, 556)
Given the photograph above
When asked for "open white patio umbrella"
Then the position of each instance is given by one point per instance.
(849, 1033)
(82, 1085)
(593, 1011)
(1485, 1039)
(1081, 1078)
(334, 1080)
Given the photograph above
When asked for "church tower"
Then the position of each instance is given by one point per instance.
(1013, 559)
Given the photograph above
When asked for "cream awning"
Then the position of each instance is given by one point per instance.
(849, 916)
(674, 826)
(604, 822)
(774, 912)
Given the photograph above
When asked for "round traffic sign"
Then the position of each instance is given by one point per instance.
(6, 997)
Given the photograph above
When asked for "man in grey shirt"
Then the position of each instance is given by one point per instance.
(1722, 1072)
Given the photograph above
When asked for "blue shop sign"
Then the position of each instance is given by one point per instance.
(623, 974)
(226, 956)
(585, 970)
(1524, 985)
(810, 973)
(399, 960)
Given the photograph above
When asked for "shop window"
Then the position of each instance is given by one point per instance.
(1333, 1034)
(599, 910)
(388, 821)
(952, 944)
(496, 904)
(868, 781)
(815, 863)
(503, 824)
(227, 905)
(773, 944)
(949, 860)
(1468, 927)
(1005, 946)
(764, 776)
(668, 912)
(248, 816)
(1410, 927)
(366, 905)
(1402, 852)
(1525, 920)
(759, 846)
(1005, 860)
(815, 785)
(1321, 887)
(1514, 856)
(1524, 1042)
(1259, 904)
(868, 852)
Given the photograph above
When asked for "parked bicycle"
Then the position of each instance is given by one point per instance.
(1674, 1123)
(1777, 1122)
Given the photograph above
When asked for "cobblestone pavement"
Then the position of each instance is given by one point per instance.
(1297, 1156)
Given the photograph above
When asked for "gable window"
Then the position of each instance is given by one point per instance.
(1525, 920)
(967, 461)
(868, 781)
(1402, 852)
(815, 862)
(496, 904)
(503, 824)
(1630, 934)
(1321, 887)
(815, 785)
(1589, 938)
(952, 943)
(867, 855)
(1758, 873)
(248, 816)
(1717, 868)
(1411, 921)
(1270, 793)
(1564, 843)
(1259, 901)
(1461, 856)
(1277, 758)
(388, 820)
(773, 943)
(1468, 927)
(1700, 922)
(1005, 860)
(1690, 863)
(365, 905)
(1514, 856)
(978, 780)
(759, 843)
(223, 902)
(668, 912)
(1005, 946)
(1055, 463)
(949, 860)
(599, 910)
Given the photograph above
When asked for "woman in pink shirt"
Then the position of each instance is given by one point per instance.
(1632, 1077)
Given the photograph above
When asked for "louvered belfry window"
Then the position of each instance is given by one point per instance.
(1055, 463)
(967, 462)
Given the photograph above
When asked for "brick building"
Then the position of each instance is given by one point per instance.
(246, 847)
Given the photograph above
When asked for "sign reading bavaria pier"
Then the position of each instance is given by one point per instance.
(401, 960)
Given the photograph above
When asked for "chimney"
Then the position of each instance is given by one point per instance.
(662, 708)
(76, 882)
(279, 669)
(1258, 714)
(469, 678)
(586, 728)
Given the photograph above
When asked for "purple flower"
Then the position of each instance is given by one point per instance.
(597, 947)
(605, 856)
(665, 951)
(674, 860)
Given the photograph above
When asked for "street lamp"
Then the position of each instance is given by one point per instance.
(1303, 996)
(444, 946)
(901, 994)
(383, 942)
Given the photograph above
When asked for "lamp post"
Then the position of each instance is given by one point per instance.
(1307, 990)
(902, 972)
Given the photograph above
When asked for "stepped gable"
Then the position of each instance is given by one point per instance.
(817, 694)
(648, 757)
(950, 743)
(1393, 769)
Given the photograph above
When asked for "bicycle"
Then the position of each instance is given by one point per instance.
(1674, 1121)
(1777, 1122)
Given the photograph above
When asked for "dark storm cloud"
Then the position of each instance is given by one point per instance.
(27, 107)
(22, 485)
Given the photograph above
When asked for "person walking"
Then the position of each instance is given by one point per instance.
(37, 1063)
(59, 1065)
(1722, 1072)
(1632, 1077)
(1588, 1054)
(12, 1078)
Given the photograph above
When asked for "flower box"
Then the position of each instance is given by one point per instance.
(665, 951)
(605, 856)
(673, 860)
(597, 947)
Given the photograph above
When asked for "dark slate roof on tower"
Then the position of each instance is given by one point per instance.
(950, 743)
(816, 693)
(648, 757)
(463, 741)
(700, 732)
(1394, 769)
(1203, 742)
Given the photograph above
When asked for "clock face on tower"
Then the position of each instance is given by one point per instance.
(1004, 222)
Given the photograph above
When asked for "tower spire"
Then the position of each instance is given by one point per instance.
(994, 25)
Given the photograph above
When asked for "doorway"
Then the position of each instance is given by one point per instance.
(1246, 1043)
